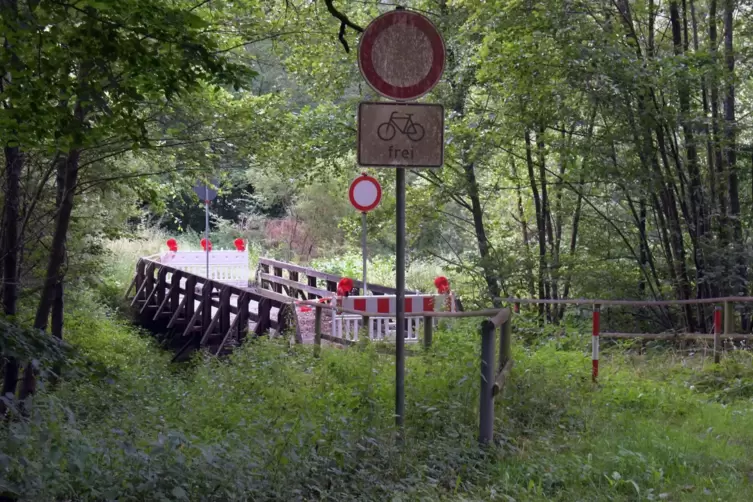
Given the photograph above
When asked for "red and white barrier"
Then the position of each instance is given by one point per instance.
(347, 326)
(595, 342)
(414, 304)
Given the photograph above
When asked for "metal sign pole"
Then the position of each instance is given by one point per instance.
(363, 248)
(400, 302)
(206, 227)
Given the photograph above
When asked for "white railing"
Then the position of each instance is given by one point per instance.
(348, 326)
(229, 267)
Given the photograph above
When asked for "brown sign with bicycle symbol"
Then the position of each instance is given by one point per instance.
(400, 135)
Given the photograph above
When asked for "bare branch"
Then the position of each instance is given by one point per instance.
(344, 22)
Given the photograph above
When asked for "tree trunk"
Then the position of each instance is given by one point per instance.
(730, 144)
(14, 163)
(696, 216)
(573, 244)
(58, 302)
(539, 220)
(549, 284)
(643, 241)
(57, 255)
(719, 186)
(706, 131)
(524, 229)
(483, 241)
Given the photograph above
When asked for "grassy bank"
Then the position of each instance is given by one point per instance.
(273, 422)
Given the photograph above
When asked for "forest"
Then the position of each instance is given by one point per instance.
(596, 149)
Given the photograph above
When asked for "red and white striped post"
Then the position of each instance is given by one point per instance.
(595, 343)
(717, 332)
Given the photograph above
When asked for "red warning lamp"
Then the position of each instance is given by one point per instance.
(442, 285)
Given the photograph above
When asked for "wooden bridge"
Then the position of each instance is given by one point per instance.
(189, 311)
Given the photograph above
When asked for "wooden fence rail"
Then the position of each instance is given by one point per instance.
(723, 310)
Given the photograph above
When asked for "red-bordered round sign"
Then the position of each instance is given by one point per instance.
(401, 55)
(365, 193)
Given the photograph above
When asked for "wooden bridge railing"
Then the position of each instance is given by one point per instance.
(304, 283)
(167, 297)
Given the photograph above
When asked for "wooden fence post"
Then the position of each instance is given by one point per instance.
(190, 296)
(243, 302)
(224, 310)
(294, 291)
(175, 293)
(206, 298)
(317, 331)
(428, 332)
(505, 343)
(717, 333)
(486, 398)
(161, 285)
(149, 291)
(729, 320)
(277, 288)
(264, 312)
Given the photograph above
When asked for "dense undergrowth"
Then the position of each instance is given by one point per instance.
(273, 422)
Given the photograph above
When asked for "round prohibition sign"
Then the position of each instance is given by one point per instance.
(401, 55)
(365, 193)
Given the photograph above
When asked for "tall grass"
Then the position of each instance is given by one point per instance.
(272, 422)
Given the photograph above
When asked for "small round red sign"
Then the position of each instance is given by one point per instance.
(401, 55)
(365, 193)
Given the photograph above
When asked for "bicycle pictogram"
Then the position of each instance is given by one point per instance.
(413, 130)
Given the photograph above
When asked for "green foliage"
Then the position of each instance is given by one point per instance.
(729, 381)
(27, 344)
(274, 423)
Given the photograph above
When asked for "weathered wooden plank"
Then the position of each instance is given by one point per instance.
(297, 285)
(227, 335)
(499, 381)
(175, 280)
(164, 302)
(212, 324)
(264, 322)
(244, 316)
(161, 285)
(144, 283)
(225, 293)
(151, 295)
(206, 302)
(194, 318)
